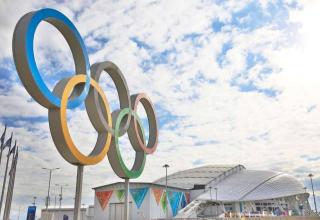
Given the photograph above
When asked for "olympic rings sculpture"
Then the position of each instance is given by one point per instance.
(84, 87)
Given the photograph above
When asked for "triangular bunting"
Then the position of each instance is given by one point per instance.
(183, 201)
(163, 201)
(103, 198)
(138, 195)
(174, 199)
(120, 194)
(187, 194)
(157, 194)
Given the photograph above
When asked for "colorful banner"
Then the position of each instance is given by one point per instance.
(163, 202)
(120, 194)
(157, 192)
(187, 194)
(103, 198)
(138, 195)
(174, 200)
(183, 201)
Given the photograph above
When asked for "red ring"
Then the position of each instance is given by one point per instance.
(133, 130)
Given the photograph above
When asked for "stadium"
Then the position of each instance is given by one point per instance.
(215, 190)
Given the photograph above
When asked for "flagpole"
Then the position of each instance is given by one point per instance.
(1, 152)
(10, 189)
(5, 178)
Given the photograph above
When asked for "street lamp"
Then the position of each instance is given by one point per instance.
(34, 201)
(314, 198)
(60, 195)
(216, 189)
(50, 173)
(166, 166)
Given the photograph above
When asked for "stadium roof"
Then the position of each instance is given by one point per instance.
(187, 179)
(252, 185)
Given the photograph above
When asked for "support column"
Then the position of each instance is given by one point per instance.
(126, 205)
(77, 201)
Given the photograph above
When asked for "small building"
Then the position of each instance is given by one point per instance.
(216, 190)
(66, 213)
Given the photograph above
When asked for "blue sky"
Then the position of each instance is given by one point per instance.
(233, 82)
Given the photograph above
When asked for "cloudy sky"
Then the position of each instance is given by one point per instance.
(233, 82)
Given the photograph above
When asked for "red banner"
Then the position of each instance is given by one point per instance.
(157, 194)
(103, 198)
(187, 197)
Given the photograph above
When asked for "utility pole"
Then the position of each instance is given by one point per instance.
(314, 197)
(50, 174)
(60, 195)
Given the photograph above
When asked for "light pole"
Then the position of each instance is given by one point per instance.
(216, 189)
(34, 201)
(166, 166)
(60, 195)
(314, 198)
(50, 173)
(211, 200)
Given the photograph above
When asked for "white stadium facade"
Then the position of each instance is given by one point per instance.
(215, 190)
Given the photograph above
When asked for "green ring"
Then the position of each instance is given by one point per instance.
(134, 172)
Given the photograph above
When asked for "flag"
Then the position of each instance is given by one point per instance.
(8, 142)
(103, 198)
(163, 201)
(14, 163)
(157, 192)
(120, 194)
(174, 200)
(3, 136)
(183, 201)
(138, 195)
(187, 194)
(13, 150)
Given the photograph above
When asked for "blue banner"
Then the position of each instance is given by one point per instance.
(138, 195)
(183, 201)
(31, 213)
(174, 199)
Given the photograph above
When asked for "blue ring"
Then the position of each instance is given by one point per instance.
(37, 17)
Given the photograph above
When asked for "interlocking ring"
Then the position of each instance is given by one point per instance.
(84, 87)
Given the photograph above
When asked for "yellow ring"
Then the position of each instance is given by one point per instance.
(83, 159)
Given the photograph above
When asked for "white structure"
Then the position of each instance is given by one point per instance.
(213, 191)
(149, 208)
(66, 214)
